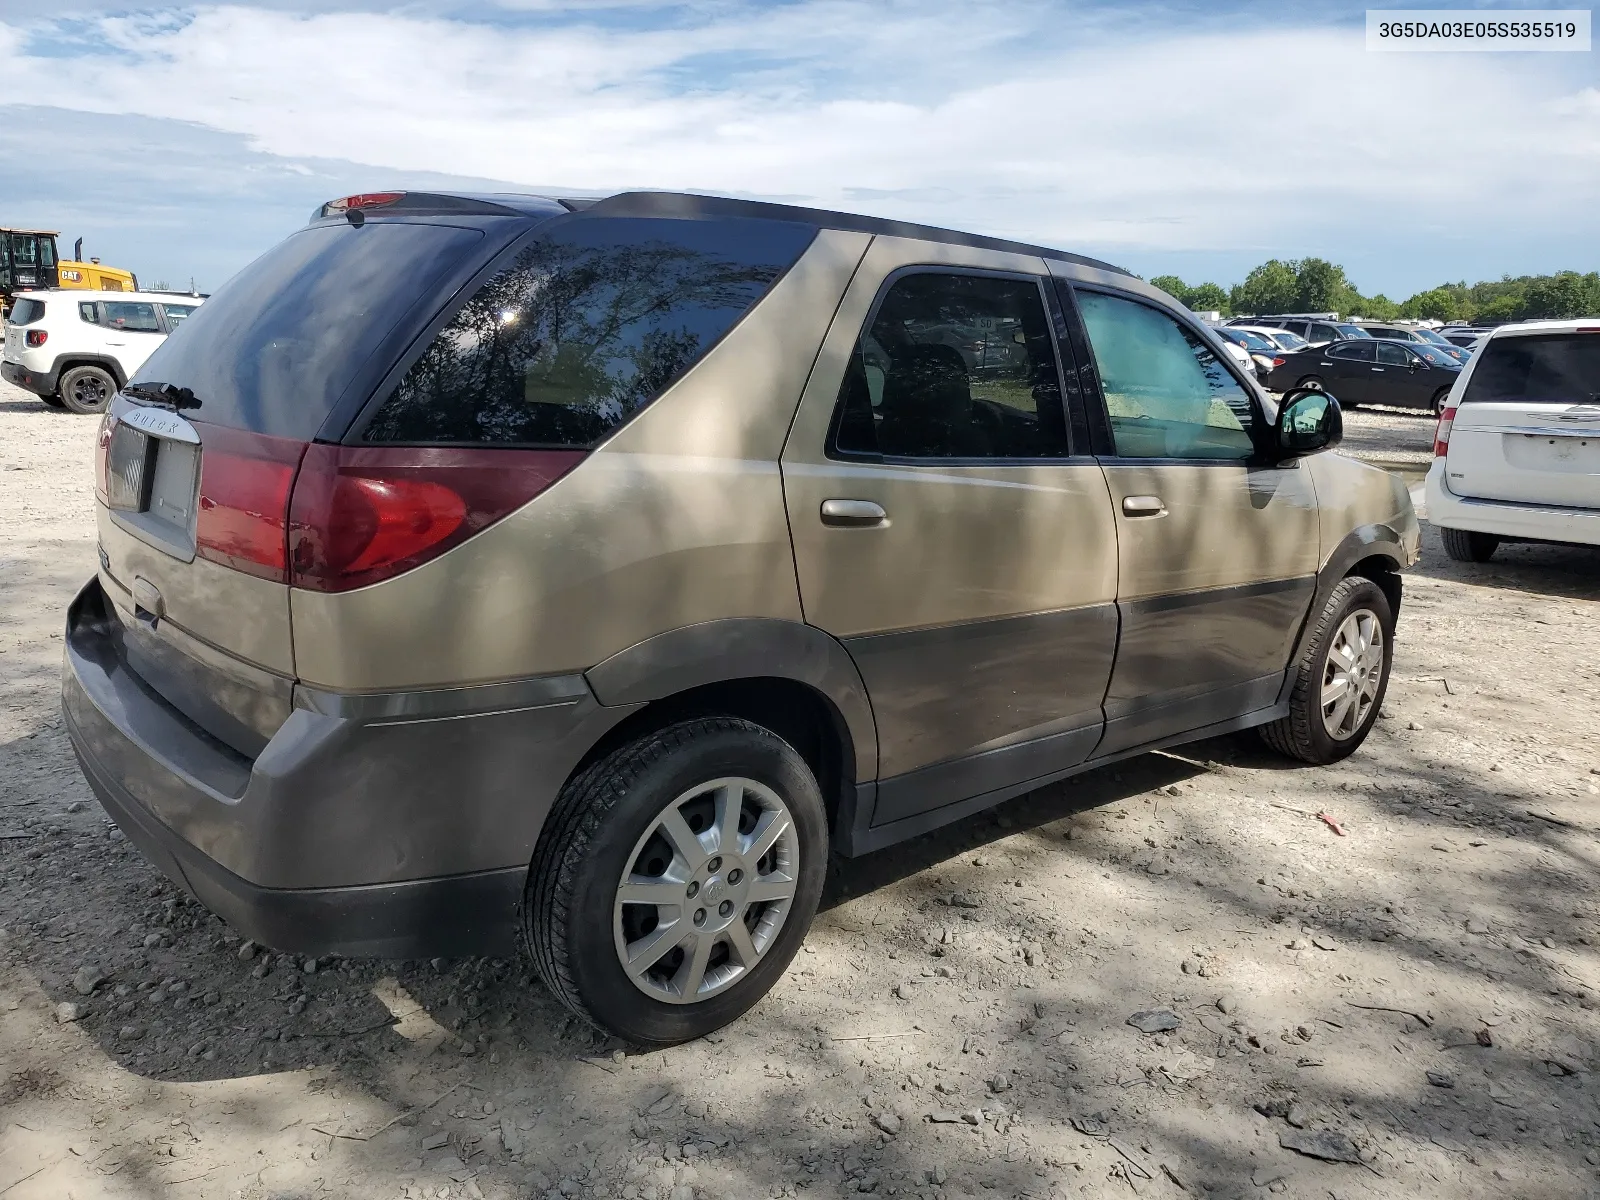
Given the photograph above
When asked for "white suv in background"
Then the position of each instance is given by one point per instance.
(1517, 452)
(74, 349)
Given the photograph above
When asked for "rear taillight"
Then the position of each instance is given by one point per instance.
(1278, 362)
(37, 337)
(1441, 434)
(102, 451)
(245, 483)
(362, 514)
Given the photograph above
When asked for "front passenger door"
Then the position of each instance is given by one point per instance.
(134, 329)
(1217, 551)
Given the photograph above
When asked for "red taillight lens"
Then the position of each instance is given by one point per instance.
(1441, 434)
(37, 337)
(362, 514)
(102, 451)
(245, 483)
(1278, 362)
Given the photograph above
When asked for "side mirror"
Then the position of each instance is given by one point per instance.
(1308, 421)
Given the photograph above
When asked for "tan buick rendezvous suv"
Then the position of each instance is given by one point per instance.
(485, 570)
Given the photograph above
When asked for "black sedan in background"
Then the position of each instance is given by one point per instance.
(1372, 371)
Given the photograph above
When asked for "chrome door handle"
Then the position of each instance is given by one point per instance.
(1143, 506)
(853, 514)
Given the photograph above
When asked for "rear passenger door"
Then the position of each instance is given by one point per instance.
(133, 331)
(948, 530)
(1347, 371)
(1217, 546)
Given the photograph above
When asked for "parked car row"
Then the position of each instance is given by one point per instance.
(74, 349)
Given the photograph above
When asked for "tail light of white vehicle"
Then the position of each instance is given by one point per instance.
(1441, 434)
(37, 337)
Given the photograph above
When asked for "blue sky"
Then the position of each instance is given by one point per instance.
(1187, 138)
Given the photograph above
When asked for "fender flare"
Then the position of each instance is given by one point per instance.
(1376, 540)
(743, 648)
(73, 358)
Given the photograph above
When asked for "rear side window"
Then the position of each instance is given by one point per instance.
(1360, 351)
(89, 313)
(277, 345)
(1557, 368)
(954, 366)
(132, 316)
(588, 324)
(26, 312)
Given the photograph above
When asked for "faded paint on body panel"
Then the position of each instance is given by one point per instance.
(244, 615)
(1351, 494)
(678, 519)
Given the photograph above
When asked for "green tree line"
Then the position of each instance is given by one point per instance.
(1317, 285)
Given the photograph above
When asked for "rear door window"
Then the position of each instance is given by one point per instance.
(1557, 368)
(589, 323)
(954, 365)
(277, 345)
(1357, 351)
(131, 316)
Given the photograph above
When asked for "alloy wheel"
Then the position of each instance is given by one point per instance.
(1351, 674)
(706, 890)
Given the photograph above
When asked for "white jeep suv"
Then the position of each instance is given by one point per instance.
(1517, 452)
(74, 349)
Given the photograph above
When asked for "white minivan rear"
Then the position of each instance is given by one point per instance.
(1517, 453)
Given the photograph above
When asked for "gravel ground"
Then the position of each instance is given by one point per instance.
(1395, 1001)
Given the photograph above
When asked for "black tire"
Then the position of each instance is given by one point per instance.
(1466, 545)
(1303, 734)
(590, 841)
(1436, 405)
(87, 389)
(52, 401)
(1314, 382)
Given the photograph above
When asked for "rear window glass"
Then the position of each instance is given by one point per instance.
(588, 324)
(26, 312)
(1558, 368)
(276, 346)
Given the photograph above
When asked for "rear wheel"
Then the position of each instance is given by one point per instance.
(1439, 399)
(1314, 382)
(1341, 677)
(1467, 545)
(676, 878)
(87, 389)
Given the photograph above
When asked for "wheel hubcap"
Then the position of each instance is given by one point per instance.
(706, 890)
(1351, 674)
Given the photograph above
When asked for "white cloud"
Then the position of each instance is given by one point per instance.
(1033, 121)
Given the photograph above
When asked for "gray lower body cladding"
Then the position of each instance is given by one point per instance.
(395, 825)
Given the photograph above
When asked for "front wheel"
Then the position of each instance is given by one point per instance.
(676, 879)
(87, 389)
(1468, 545)
(1341, 678)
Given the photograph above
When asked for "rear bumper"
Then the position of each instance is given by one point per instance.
(1533, 522)
(389, 826)
(40, 383)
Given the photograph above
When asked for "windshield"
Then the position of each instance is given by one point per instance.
(1352, 331)
(1553, 368)
(1289, 341)
(277, 345)
(1429, 335)
(1432, 354)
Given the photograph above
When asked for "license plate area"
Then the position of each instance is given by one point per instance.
(152, 484)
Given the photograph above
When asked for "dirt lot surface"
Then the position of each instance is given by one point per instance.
(1395, 1001)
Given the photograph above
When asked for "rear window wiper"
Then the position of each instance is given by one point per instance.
(165, 394)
